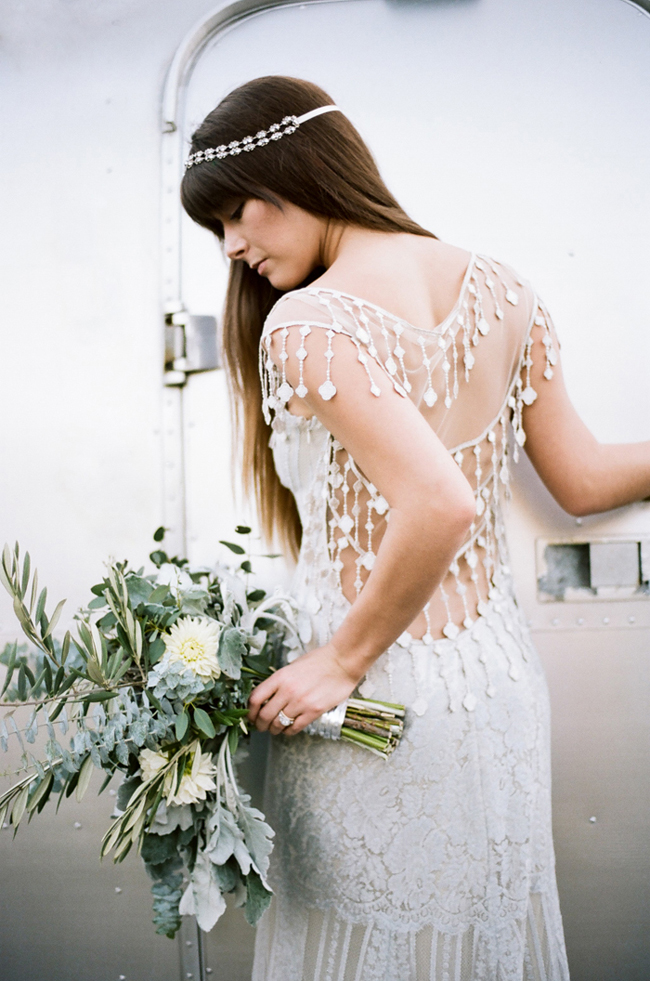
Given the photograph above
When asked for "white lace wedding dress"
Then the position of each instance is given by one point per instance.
(436, 865)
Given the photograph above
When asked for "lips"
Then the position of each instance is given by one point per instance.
(259, 266)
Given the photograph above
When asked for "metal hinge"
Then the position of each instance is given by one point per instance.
(190, 346)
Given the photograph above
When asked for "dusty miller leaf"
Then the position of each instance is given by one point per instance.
(258, 898)
(232, 647)
(203, 896)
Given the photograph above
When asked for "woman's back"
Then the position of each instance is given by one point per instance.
(465, 368)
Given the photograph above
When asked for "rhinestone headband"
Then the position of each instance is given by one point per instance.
(275, 132)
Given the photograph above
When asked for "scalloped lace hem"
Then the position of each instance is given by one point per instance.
(299, 944)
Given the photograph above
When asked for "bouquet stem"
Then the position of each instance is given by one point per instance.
(376, 726)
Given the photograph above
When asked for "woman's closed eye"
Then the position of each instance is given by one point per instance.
(237, 213)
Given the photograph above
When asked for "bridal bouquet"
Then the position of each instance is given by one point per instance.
(155, 686)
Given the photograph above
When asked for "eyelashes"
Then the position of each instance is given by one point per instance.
(237, 213)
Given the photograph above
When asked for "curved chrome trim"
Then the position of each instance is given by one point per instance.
(643, 6)
(224, 17)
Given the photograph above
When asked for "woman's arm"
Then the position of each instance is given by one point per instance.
(431, 509)
(583, 475)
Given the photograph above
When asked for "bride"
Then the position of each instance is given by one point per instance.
(399, 375)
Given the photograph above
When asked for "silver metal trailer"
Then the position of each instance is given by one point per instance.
(510, 127)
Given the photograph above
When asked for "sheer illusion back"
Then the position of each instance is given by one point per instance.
(468, 377)
(436, 865)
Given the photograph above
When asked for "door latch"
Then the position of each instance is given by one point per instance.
(190, 346)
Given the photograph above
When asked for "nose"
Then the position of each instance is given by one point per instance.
(234, 244)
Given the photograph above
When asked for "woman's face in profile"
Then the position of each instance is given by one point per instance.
(283, 244)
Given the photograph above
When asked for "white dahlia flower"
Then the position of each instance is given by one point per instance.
(195, 782)
(151, 763)
(194, 641)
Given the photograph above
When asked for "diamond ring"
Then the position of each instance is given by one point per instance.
(284, 720)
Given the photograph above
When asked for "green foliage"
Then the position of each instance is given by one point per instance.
(232, 648)
(167, 892)
(258, 898)
(237, 549)
(122, 696)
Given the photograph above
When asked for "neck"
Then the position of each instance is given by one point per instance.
(340, 241)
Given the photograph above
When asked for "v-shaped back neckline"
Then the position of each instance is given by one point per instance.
(438, 329)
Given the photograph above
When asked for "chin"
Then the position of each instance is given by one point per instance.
(285, 279)
(283, 282)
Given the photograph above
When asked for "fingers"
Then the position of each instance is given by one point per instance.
(299, 724)
(267, 717)
(260, 696)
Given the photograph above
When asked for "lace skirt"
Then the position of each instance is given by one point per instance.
(436, 865)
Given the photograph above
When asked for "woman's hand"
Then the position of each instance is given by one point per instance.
(314, 683)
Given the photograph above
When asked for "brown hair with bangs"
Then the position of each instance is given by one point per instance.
(324, 168)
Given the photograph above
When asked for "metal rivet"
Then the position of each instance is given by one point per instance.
(580, 621)
(122, 977)
(112, 793)
(188, 975)
(5, 825)
(188, 943)
(631, 619)
(555, 621)
(77, 825)
(578, 521)
(117, 889)
(592, 819)
(605, 620)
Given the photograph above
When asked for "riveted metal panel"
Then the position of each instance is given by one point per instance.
(490, 121)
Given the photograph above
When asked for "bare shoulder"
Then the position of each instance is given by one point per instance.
(414, 277)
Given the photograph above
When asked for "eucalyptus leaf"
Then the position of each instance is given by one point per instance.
(203, 722)
(181, 724)
(255, 595)
(156, 650)
(157, 849)
(237, 549)
(160, 593)
(126, 791)
(140, 590)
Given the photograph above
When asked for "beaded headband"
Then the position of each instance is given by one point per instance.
(275, 132)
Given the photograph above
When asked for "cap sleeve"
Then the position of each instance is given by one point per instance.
(304, 340)
(541, 347)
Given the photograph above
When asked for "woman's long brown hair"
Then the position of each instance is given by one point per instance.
(324, 168)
